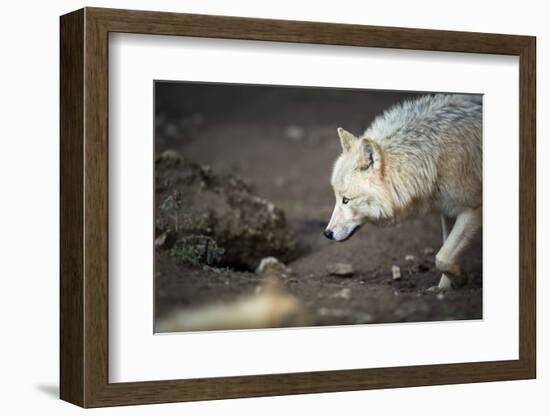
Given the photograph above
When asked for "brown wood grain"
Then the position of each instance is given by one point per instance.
(527, 208)
(72, 370)
(84, 207)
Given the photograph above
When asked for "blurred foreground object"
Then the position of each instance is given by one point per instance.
(271, 307)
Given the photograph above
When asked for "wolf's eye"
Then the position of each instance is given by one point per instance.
(345, 200)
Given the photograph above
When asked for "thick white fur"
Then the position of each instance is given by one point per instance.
(420, 155)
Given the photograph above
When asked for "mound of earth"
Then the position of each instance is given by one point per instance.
(208, 219)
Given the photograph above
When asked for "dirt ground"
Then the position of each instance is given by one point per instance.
(282, 142)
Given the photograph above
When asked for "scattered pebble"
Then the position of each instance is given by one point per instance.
(364, 318)
(396, 272)
(170, 156)
(410, 308)
(337, 313)
(409, 258)
(216, 270)
(423, 267)
(272, 263)
(440, 296)
(340, 269)
(345, 293)
(171, 130)
(160, 240)
(428, 251)
(295, 133)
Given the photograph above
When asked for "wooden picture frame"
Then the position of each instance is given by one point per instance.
(84, 207)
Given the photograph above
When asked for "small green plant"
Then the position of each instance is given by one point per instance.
(197, 250)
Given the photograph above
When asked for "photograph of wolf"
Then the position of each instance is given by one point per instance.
(287, 206)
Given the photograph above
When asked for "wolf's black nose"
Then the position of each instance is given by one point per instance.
(328, 234)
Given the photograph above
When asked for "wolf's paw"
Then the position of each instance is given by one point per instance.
(445, 283)
(448, 282)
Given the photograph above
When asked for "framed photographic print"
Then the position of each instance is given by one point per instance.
(257, 207)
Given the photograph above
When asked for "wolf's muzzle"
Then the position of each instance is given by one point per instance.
(328, 234)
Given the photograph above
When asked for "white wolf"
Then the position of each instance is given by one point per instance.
(420, 155)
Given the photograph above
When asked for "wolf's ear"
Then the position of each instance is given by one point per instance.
(370, 154)
(346, 139)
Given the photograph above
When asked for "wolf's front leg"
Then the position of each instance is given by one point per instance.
(446, 225)
(466, 226)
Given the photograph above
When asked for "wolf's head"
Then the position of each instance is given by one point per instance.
(359, 187)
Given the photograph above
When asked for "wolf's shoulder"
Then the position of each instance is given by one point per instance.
(427, 112)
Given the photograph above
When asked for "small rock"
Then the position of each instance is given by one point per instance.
(428, 251)
(345, 293)
(295, 133)
(336, 313)
(423, 267)
(364, 318)
(340, 269)
(413, 268)
(271, 263)
(396, 272)
(160, 240)
(440, 296)
(171, 130)
(170, 156)
(409, 258)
